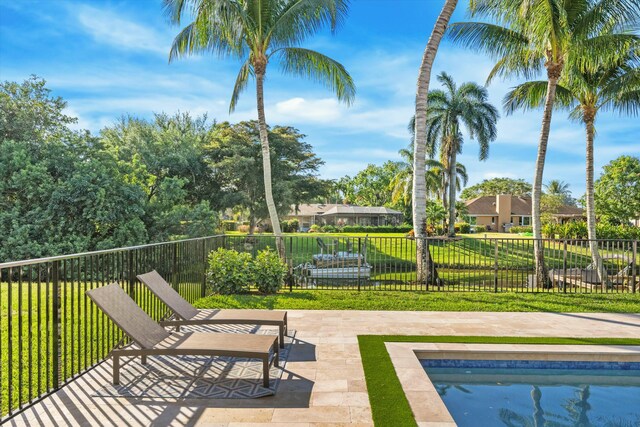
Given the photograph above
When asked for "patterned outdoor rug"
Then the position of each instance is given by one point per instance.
(199, 376)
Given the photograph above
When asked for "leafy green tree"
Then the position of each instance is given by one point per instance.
(419, 193)
(165, 158)
(449, 111)
(529, 36)
(560, 189)
(617, 191)
(29, 113)
(234, 156)
(495, 186)
(257, 32)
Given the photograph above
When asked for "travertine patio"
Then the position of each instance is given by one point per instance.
(324, 381)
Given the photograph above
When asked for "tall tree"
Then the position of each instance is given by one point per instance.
(560, 189)
(234, 156)
(450, 110)
(617, 191)
(257, 32)
(529, 36)
(494, 186)
(614, 88)
(423, 258)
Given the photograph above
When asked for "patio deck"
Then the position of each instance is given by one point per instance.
(324, 381)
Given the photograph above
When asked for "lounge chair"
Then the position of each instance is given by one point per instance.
(186, 314)
(154, 340)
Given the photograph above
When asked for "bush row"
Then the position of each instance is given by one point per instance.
(233, 272)
(578, 230)
(517, 229)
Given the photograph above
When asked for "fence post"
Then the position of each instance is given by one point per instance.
(359, 260)
(132, 276)
(203, 291)
(56, 326)
(174, 268)
(634, 265)
(495, 267)
(564, 267)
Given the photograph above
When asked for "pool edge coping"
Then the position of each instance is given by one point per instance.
(432, 412)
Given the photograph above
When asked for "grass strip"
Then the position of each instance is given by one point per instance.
(430, 301)
(389, 404)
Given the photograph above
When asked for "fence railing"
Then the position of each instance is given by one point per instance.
(461, 264)
(50, 332)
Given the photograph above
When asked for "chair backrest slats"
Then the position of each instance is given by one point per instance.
(127, 315)
(165, 293)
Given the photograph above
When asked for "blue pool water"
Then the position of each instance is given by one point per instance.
(538, 393)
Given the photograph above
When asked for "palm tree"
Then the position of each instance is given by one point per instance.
(615, 88)
(559, 189)
(529, 36)
(419, 190)
(257, 32)
(450, 111)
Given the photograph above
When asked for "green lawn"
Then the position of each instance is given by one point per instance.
(389, 404)
(471, 262)
(428, 301)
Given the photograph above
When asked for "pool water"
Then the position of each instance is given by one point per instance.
(535, 393)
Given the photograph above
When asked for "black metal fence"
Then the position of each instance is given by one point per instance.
(50, 332)
(461, 264)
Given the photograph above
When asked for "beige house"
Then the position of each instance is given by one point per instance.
(339, 215)
(501, 212)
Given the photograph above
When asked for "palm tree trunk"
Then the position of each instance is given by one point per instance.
(266, 161)
(452, 194)
(419, 154)
(553, 72)
(591, 208)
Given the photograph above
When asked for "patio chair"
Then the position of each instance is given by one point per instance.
(154, 340)
(186, 314)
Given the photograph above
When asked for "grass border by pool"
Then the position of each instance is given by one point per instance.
(389, 405)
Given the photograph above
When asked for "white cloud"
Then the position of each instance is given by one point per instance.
(314, 110)
(109, 28)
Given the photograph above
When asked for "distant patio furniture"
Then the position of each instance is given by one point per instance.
(183, 313)
(154, 340)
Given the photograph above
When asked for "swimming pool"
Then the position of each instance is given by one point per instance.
(537, 392)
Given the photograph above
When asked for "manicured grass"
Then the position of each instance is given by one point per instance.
(429, 301)
(389, 404)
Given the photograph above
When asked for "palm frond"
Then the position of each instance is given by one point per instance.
(240, 85)
(321, 68)
(492, 39)
(532, 95)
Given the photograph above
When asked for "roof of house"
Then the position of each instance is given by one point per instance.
(334, 209)
(361, 210)
(520, 205)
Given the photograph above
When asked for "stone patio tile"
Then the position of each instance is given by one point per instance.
(317, 414)
(360, 414)
(330, 385)
(340, 399)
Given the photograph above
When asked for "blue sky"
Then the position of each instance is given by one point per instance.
(109, 58)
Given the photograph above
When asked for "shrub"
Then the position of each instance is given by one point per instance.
(517, 229)
(481, 228)
(269, 271)
(290, 226)
(330, 229)
(243, 228)
(462, 227)
(315, 228)
(229, 225)
(229, 272)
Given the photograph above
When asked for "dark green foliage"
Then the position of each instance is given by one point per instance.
(578, 230)
(617, 191)
(269, 271)
(229, 272)
(462, 227)
(517, 229)
(229, 225)
(495, 186)
(404, 228)
(290, 226)
(235, 159)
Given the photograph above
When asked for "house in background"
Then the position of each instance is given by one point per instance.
(501, 212)
(339, 215)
